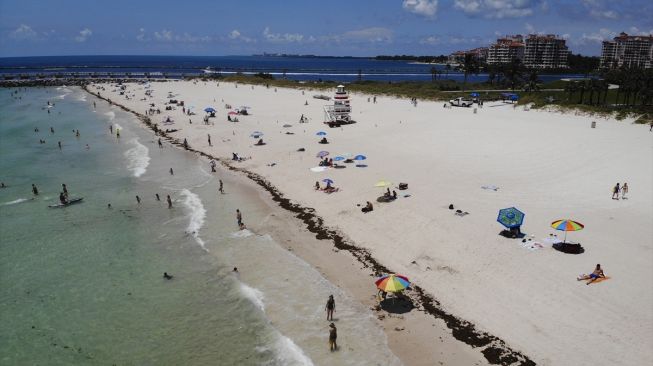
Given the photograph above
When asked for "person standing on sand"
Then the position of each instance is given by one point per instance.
(172, 172)
(169, 201)
(333, 336)
(138, 200)
(615, 192)
(624, 190)
(160, 144)
(209, 136)
(221, 187)
(330, 307)
(239, 217)
(111, 129)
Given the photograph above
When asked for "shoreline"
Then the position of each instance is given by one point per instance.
(494, 349)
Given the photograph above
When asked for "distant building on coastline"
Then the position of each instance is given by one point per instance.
(479, 54)
(545, 52)
(627, 51)
(506, 50)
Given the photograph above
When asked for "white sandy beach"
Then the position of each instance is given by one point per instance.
(549, 165)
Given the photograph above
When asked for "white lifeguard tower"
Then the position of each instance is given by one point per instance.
(339, 112)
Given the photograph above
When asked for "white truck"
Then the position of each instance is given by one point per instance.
(461, 102)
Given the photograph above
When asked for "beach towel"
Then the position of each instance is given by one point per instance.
(490, 187)
(532, 245)
(598, 280)
(318, 169)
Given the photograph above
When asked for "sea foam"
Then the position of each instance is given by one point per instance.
(15, 201)
(289, 353)
(138, 158)
(196, 213)
(111, 115)
(254, 295)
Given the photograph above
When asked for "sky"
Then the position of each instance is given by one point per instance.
(334, 27)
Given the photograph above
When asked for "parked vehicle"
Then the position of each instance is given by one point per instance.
(461, 102)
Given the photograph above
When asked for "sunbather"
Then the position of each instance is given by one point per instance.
(598, 273)
(368, 207)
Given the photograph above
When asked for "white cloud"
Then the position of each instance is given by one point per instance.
(373, 34)
(237, 36)
(497, 9)
(634, 31)
(23, 32)
(427, 8)
(165, 35)
(529, 27)
(431, 40)
(283, 38)
(83, 35)
(596, 37)
(598, 9)
(142, 36)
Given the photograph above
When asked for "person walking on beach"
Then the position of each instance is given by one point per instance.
(35, 190)
(172, 172)
(333, 336)
(169, 201)
(157, 197)
(209, 135)
(239, 217)
(185, 144)
(330, 307)
(221, 187)
(615, 192)
(160, 144)
(624, 190)
(138, 200)
(111, 129)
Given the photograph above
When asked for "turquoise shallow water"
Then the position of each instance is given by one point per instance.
(83, 285)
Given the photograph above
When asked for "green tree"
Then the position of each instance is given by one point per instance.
(470, 66)
(533, 82)
(514, 73)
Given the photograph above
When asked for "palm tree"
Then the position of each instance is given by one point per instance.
(470, 66)
(514, 73)
(571, 87)
(533, 83)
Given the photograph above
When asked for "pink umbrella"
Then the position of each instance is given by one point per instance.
(232, 113)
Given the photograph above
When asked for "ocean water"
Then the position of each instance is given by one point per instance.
(294, 68)
(83, 285)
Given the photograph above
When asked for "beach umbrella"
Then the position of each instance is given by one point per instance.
(475, 94)
(287, 125)
(257, 134)
(232, 113)
(360, 157)
(567, 225)
(209, 110)
(339, 158)
(322, 154)
(321, 133)
(392, 283)
(327, 180)
(510, 217)
(383, 184)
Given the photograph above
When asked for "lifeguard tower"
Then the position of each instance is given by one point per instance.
(339, 112)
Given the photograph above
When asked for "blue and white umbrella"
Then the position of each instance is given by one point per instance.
(209, 110)
(327, 181)
(256, 134)
(360, 157)
(339, 158)
(321, 133)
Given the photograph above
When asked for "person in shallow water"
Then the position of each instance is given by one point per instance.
(333, 336)
(167, 276)
(330, 307)
(62, 198)
(169, 201)
(65, 190)
(35, 190)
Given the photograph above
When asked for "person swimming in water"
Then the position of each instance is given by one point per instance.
(167, 276)
(157, 197)
(62, 198)
(35, 190)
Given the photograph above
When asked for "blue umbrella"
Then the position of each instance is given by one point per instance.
(475, 94)
(322, 154)
(339, 158)
(256, 134)
(321, 133)
(510, 217)
(209, 110)
(360, 157)
(327, 180)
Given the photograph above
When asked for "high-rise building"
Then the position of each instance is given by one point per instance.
(479, 54)
(506, 50)
(627, 51)
(545, 52)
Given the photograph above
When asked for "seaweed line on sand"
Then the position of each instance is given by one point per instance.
(496, 351)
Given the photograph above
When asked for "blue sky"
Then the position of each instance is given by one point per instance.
(334, 27)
